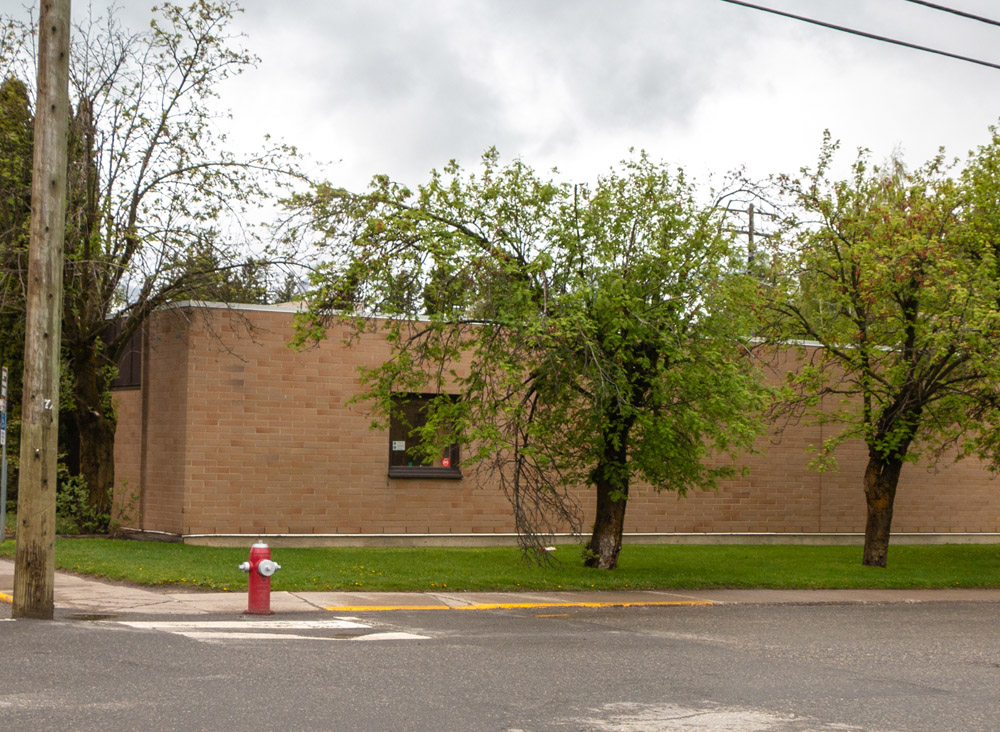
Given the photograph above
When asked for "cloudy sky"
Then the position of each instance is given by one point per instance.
(401, 86)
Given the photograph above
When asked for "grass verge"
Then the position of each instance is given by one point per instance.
(503, 569)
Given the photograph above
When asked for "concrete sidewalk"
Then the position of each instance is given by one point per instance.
(82, 595)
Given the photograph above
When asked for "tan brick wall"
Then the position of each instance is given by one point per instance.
(244, 435)
(165, 460)
(128, 444)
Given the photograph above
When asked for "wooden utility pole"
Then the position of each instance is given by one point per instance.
(34, 567)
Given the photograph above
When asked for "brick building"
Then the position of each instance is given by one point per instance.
(226, 433)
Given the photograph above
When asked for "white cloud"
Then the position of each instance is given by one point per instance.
(401, 86)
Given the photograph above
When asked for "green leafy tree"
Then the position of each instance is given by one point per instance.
(16, 135)
(248, 280)
(895, 274)
(594, 336)
(151, 183)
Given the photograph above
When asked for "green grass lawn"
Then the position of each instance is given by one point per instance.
(640, 567)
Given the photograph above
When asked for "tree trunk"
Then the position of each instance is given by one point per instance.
(610, 478)
(95, 425)
(97, 464)
(606, 541)
(881, 479)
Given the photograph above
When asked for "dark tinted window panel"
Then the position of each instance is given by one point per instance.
(130, 363)
(405, 459)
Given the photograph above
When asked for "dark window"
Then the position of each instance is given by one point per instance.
(130, 363)
(406, 459)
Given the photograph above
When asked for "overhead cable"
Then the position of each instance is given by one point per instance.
(864, 34)
(955, 11)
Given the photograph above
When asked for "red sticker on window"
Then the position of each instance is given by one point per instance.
(445, 462)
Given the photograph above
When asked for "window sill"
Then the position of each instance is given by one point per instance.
(424, 471)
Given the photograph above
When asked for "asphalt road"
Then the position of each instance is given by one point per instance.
(745, 668)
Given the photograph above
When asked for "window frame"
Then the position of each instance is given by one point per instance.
(452, 472)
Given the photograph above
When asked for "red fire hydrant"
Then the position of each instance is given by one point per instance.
(260, 568)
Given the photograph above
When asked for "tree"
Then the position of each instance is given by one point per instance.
(151, 186)
(593, 336)
(895, 274)
(16, 147)
(247, 280)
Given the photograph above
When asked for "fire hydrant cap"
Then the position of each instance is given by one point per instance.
(266, 567)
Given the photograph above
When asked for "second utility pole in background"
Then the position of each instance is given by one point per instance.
(34, 559)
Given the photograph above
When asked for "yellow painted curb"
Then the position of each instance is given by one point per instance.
(4, 597)
(371, 608)
(517, 606)
(533, 605)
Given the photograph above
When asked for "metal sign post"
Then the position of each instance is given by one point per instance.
(3, 451)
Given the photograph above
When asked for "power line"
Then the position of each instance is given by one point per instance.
(864, 34)
(955, 11)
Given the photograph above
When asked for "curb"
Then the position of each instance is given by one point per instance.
(516, 606)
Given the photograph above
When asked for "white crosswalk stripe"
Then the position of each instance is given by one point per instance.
(221, 631)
